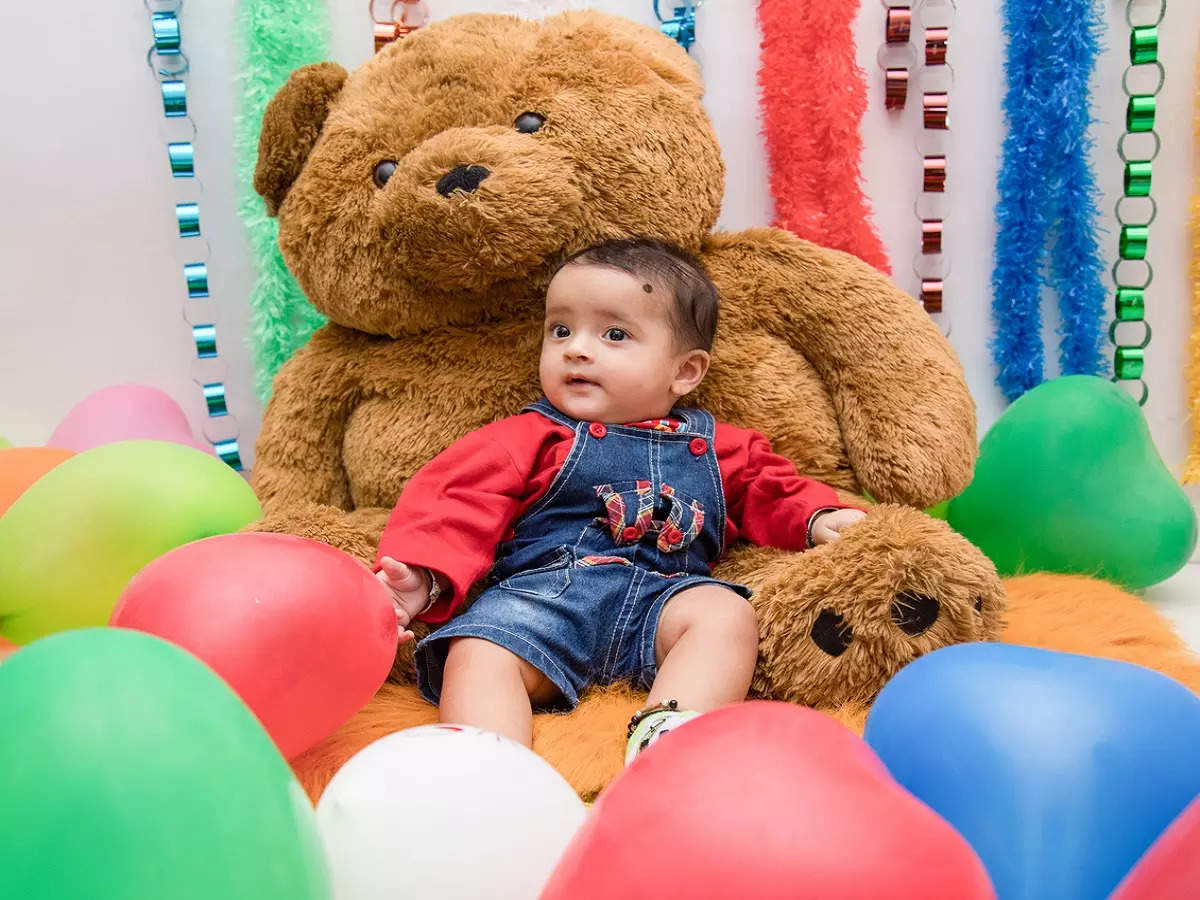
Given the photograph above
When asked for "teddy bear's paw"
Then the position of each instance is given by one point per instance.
(838, 621)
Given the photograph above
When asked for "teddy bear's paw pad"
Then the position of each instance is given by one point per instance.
(831, 633)
(914, 613)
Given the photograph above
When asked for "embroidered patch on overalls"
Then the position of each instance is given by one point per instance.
(614, 505)
(584, 561)
(672, 535)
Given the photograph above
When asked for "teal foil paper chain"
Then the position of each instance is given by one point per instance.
(1136, 210)
(680, 26)
(171, 67)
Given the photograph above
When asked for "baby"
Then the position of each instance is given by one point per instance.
(597, 514)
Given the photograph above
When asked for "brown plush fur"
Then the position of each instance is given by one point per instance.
(435, 303)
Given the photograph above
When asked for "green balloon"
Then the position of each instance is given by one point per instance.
(4, 443)
(130, 770)
(1069, 480)
(939, 511)
(72, 541)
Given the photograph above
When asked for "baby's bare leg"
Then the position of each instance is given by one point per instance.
(491, 688)
(706, 649)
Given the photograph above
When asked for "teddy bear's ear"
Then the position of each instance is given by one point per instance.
(290, 127)
(665, 57)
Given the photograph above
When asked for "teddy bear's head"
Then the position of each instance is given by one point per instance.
(438, 183)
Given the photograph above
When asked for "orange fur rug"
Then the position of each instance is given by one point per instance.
(1058, 612)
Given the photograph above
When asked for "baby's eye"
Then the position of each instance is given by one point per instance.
(615, 334)
(560, 331)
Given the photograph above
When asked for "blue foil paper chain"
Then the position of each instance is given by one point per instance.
(168, 62)
(681, 26)
(1047, 214)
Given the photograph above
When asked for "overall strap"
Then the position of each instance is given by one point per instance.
(548, 410)
(699, 421)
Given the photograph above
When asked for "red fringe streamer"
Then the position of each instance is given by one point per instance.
(813, 96)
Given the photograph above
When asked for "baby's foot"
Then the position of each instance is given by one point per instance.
(648, 725)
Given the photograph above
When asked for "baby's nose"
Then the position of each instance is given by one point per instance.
(576, 350)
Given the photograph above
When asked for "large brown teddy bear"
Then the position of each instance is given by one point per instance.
(422, 202)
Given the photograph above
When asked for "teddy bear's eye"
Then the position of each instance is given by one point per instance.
(529, 122)
(383, 171)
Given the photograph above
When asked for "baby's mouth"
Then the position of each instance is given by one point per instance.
(577, 381)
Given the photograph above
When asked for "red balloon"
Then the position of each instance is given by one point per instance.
(764, 800)
(304, 633)
(1170, 869)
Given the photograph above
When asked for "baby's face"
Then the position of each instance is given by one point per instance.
(609, 352)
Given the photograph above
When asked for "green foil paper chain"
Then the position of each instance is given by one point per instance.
(1129, 357)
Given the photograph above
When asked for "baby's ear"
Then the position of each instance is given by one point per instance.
(690, 371)
(290, 128)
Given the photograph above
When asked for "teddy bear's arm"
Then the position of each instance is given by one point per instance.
(906, 416)
(298, 474)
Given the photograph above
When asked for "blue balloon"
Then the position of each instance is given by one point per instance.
(1060, 770)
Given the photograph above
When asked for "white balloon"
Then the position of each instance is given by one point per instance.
(446, 812)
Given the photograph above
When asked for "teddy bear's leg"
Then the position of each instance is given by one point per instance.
(838, 621)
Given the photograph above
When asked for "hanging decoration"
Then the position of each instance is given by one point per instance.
(1047, 195)
(1138, 148)
(412, 15)
(813, 96)
(170, 67)
(896, 56)
(681, 25)
(277, 37)
(1191, 470)
(931, 265)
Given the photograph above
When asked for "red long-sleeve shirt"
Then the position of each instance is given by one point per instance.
(456, 509)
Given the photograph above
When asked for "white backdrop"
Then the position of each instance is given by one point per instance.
(92, 293)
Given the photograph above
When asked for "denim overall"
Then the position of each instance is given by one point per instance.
(633, 517)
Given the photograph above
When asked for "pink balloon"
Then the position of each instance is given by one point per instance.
(1170, 869)
(764, 800)
(124, 412)
(304, 633)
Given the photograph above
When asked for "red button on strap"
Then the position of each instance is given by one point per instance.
(631, 533)
(698, 446)
(597, 430)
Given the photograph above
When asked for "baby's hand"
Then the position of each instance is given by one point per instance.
(828, 526)
(410, 591)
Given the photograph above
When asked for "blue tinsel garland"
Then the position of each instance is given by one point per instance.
(1048, 195)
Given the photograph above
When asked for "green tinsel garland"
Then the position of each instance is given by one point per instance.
(278, 36)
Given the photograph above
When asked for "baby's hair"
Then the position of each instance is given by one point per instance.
(694, 312)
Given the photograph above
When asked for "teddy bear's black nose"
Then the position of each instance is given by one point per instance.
(464, 178)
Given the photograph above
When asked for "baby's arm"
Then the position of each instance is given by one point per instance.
(449, 520)
(826, 525)
(769, 502)
(412, 591)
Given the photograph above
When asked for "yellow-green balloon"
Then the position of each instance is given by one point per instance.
(130, 771)
(72, 541)
(5, 442)
(1069, 480)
